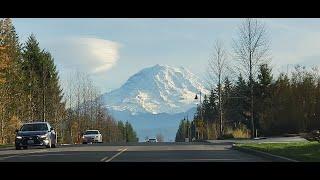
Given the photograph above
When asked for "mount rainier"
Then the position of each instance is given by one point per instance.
(155, 99)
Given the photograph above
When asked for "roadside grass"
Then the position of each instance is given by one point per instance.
(5, 145)
(300, 151)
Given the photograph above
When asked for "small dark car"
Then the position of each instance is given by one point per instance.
(35, 134)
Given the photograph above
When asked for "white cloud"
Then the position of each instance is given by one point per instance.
(103, 53)
(90, 55)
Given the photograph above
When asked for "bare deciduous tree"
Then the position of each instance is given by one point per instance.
(251, 50)
(160, 137)
(217, 70)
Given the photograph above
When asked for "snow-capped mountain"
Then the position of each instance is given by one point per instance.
(157, 89)
(155, 99)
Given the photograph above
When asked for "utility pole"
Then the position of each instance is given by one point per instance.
(126, 131)
(251, 92)
(30, 96)
(184, 126)
(30, 103)
(44, 96)
(201, 116)
(189, 128)
(220, 106)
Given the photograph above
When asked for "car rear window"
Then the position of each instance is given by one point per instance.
(34, 127)
(91, 132)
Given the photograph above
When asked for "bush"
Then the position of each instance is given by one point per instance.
(241, 133)
(226, 136)
(230, 132)
(213, 131)
(312, 136)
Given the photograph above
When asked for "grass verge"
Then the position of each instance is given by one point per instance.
(300, 151)
(5, 145)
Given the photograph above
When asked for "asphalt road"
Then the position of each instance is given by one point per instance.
(134, 152)
(263, 140)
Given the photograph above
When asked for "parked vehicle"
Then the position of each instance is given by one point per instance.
(152, 140)
(91, 136)
(313, 136)
(35, 134)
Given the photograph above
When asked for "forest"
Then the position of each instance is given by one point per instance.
(30, 90)
(246, 99)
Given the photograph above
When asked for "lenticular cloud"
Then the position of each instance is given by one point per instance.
(103, 53)
(92, 55)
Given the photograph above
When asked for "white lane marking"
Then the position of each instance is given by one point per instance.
(23, 154)
(3, 158)
(105, 158)
(123, 150)
(40, 155)
(210, 159)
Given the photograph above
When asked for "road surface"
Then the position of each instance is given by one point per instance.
(133, 152)
(263, 140)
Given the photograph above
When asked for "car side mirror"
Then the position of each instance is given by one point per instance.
(51, 129)
(17, 130)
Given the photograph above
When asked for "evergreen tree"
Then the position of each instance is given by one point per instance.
(241, 101)
(32, 66)
(131, 135)
(122, 131)
(264, 98)
(212, 107)
(182, 131)
(226, 101)
(11, 104)
(205, 109)
(42, 84)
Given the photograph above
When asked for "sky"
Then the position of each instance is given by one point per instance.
(111, 50)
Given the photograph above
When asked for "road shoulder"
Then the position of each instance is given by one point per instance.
(263, 154)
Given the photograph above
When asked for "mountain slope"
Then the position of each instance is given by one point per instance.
(158, 89)
(155, 99)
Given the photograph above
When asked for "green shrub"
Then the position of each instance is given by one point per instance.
(241, 133)
(226, 136)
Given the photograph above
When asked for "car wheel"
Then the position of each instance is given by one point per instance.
(49, 145)
(53, 145)
(18, 147)
(25, 147)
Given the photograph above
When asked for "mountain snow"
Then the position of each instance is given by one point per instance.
(155, 99)
(157, 89)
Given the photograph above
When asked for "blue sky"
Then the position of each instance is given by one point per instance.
(111, 50)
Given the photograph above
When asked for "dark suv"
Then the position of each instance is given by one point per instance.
(35, 134)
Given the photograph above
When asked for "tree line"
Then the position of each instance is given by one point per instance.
(85, 111)
(30, 91)
(253, 102)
